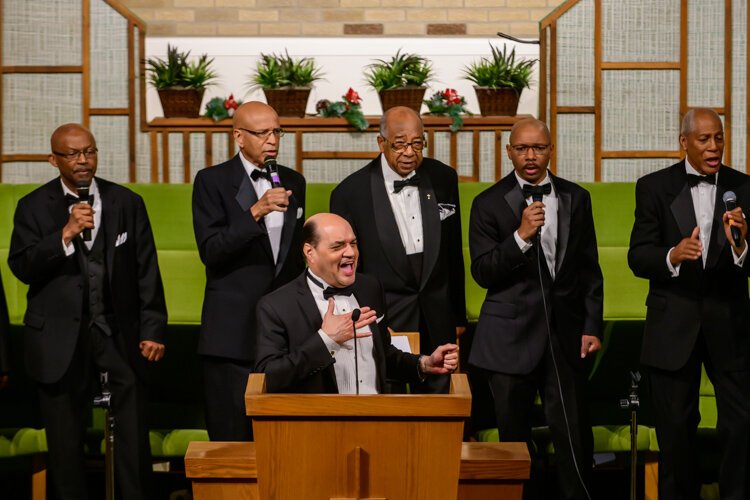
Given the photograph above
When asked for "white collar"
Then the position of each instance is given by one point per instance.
(389, 175)
(690, 169)
(93, 188)
(249, 166)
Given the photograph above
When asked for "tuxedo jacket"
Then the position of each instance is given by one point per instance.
(440, 297)
(295, 358)
(4, 333)
(712, 300)
(511, 335)
(237, 253)
(52, 322)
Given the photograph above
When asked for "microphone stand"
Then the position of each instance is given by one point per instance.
(633, 403)
(355, 317)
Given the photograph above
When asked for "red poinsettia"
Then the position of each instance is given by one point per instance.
(230, 103)
(451, 96)
(352, 97)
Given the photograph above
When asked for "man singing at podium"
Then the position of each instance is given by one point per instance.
(306, 333)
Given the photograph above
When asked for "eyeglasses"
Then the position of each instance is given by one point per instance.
(264, 134)
(400, 146)
(74, 155)
(522, 149)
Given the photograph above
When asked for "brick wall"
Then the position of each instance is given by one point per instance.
(341, 17)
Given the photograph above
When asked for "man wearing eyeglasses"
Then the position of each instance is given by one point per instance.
(95, 302)
(405, 212)
(248, 235)
(533, 247)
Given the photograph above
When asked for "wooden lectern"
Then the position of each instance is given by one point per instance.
(366, 447)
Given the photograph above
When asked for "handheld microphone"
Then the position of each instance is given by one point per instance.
(82, 188)
(730, 202)
(355, 317)
(538, 197)
(273, 171)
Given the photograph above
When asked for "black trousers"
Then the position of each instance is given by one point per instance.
(66, 409)
(514, 400)
(675, 400)
(225, 381)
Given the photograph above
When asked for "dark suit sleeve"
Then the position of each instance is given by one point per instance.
(285, 368)
(33, 257)
(153, 309)
(4, 333)
(494, 252)
(339, 206)
(591, 274)
(647, 256)
(457, 283)
(219, 239)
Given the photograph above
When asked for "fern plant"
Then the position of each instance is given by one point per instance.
(402, 70)
(501, 70)
(177, 72)
(275, 71)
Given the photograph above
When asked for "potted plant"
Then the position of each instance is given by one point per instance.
(180, 83)
(350, 109)
(286, 82)
(400, 81)
(499, 81)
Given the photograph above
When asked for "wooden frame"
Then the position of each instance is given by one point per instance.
(548, 26)
(160, 129)
(134, 23)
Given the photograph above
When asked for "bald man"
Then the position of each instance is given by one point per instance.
(698, 306)
(305, 332)
(405, 211)
(95, 302)
(248, 236)
(533, 247)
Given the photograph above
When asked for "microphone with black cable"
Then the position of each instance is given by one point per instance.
(82, 189)
(730, 202)
(355, 317)
(273, 171)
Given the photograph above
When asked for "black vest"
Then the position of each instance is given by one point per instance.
(97, 303)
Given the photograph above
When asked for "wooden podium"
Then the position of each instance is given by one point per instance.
(367, 447)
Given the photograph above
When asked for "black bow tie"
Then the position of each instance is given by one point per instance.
(257, 172)
(72, 200)
(330, 291)
(531, 190)
(694, 180)
(411, 181)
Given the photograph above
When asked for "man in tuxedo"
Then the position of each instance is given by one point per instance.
(95, 302)
(305, 332)
(4, 339)
(248, 236)
(698, 306)
(405, 212)
(533, 246)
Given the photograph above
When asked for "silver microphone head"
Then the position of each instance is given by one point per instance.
(729, 196)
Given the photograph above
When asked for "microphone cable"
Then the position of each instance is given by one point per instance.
(554, 360)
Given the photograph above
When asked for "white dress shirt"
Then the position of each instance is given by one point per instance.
(704, 200)
(549, 229)
(97, 206)
(406, 209)
(344, 353)
(273, 221)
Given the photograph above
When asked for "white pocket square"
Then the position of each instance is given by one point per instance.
(121, 238)
(300, 212)
(446, 210)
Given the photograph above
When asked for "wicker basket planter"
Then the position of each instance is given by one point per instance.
(411, 97)
(497, 102)
(181, 103)
(288, 101)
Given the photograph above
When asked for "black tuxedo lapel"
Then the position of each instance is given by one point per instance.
(385, 222)
(110, 224)
(287, 231)
(430, 227)
(564, 213)
(718, 237)
(58, 205)
(514, 196)
(682, 206)
(246, 196)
